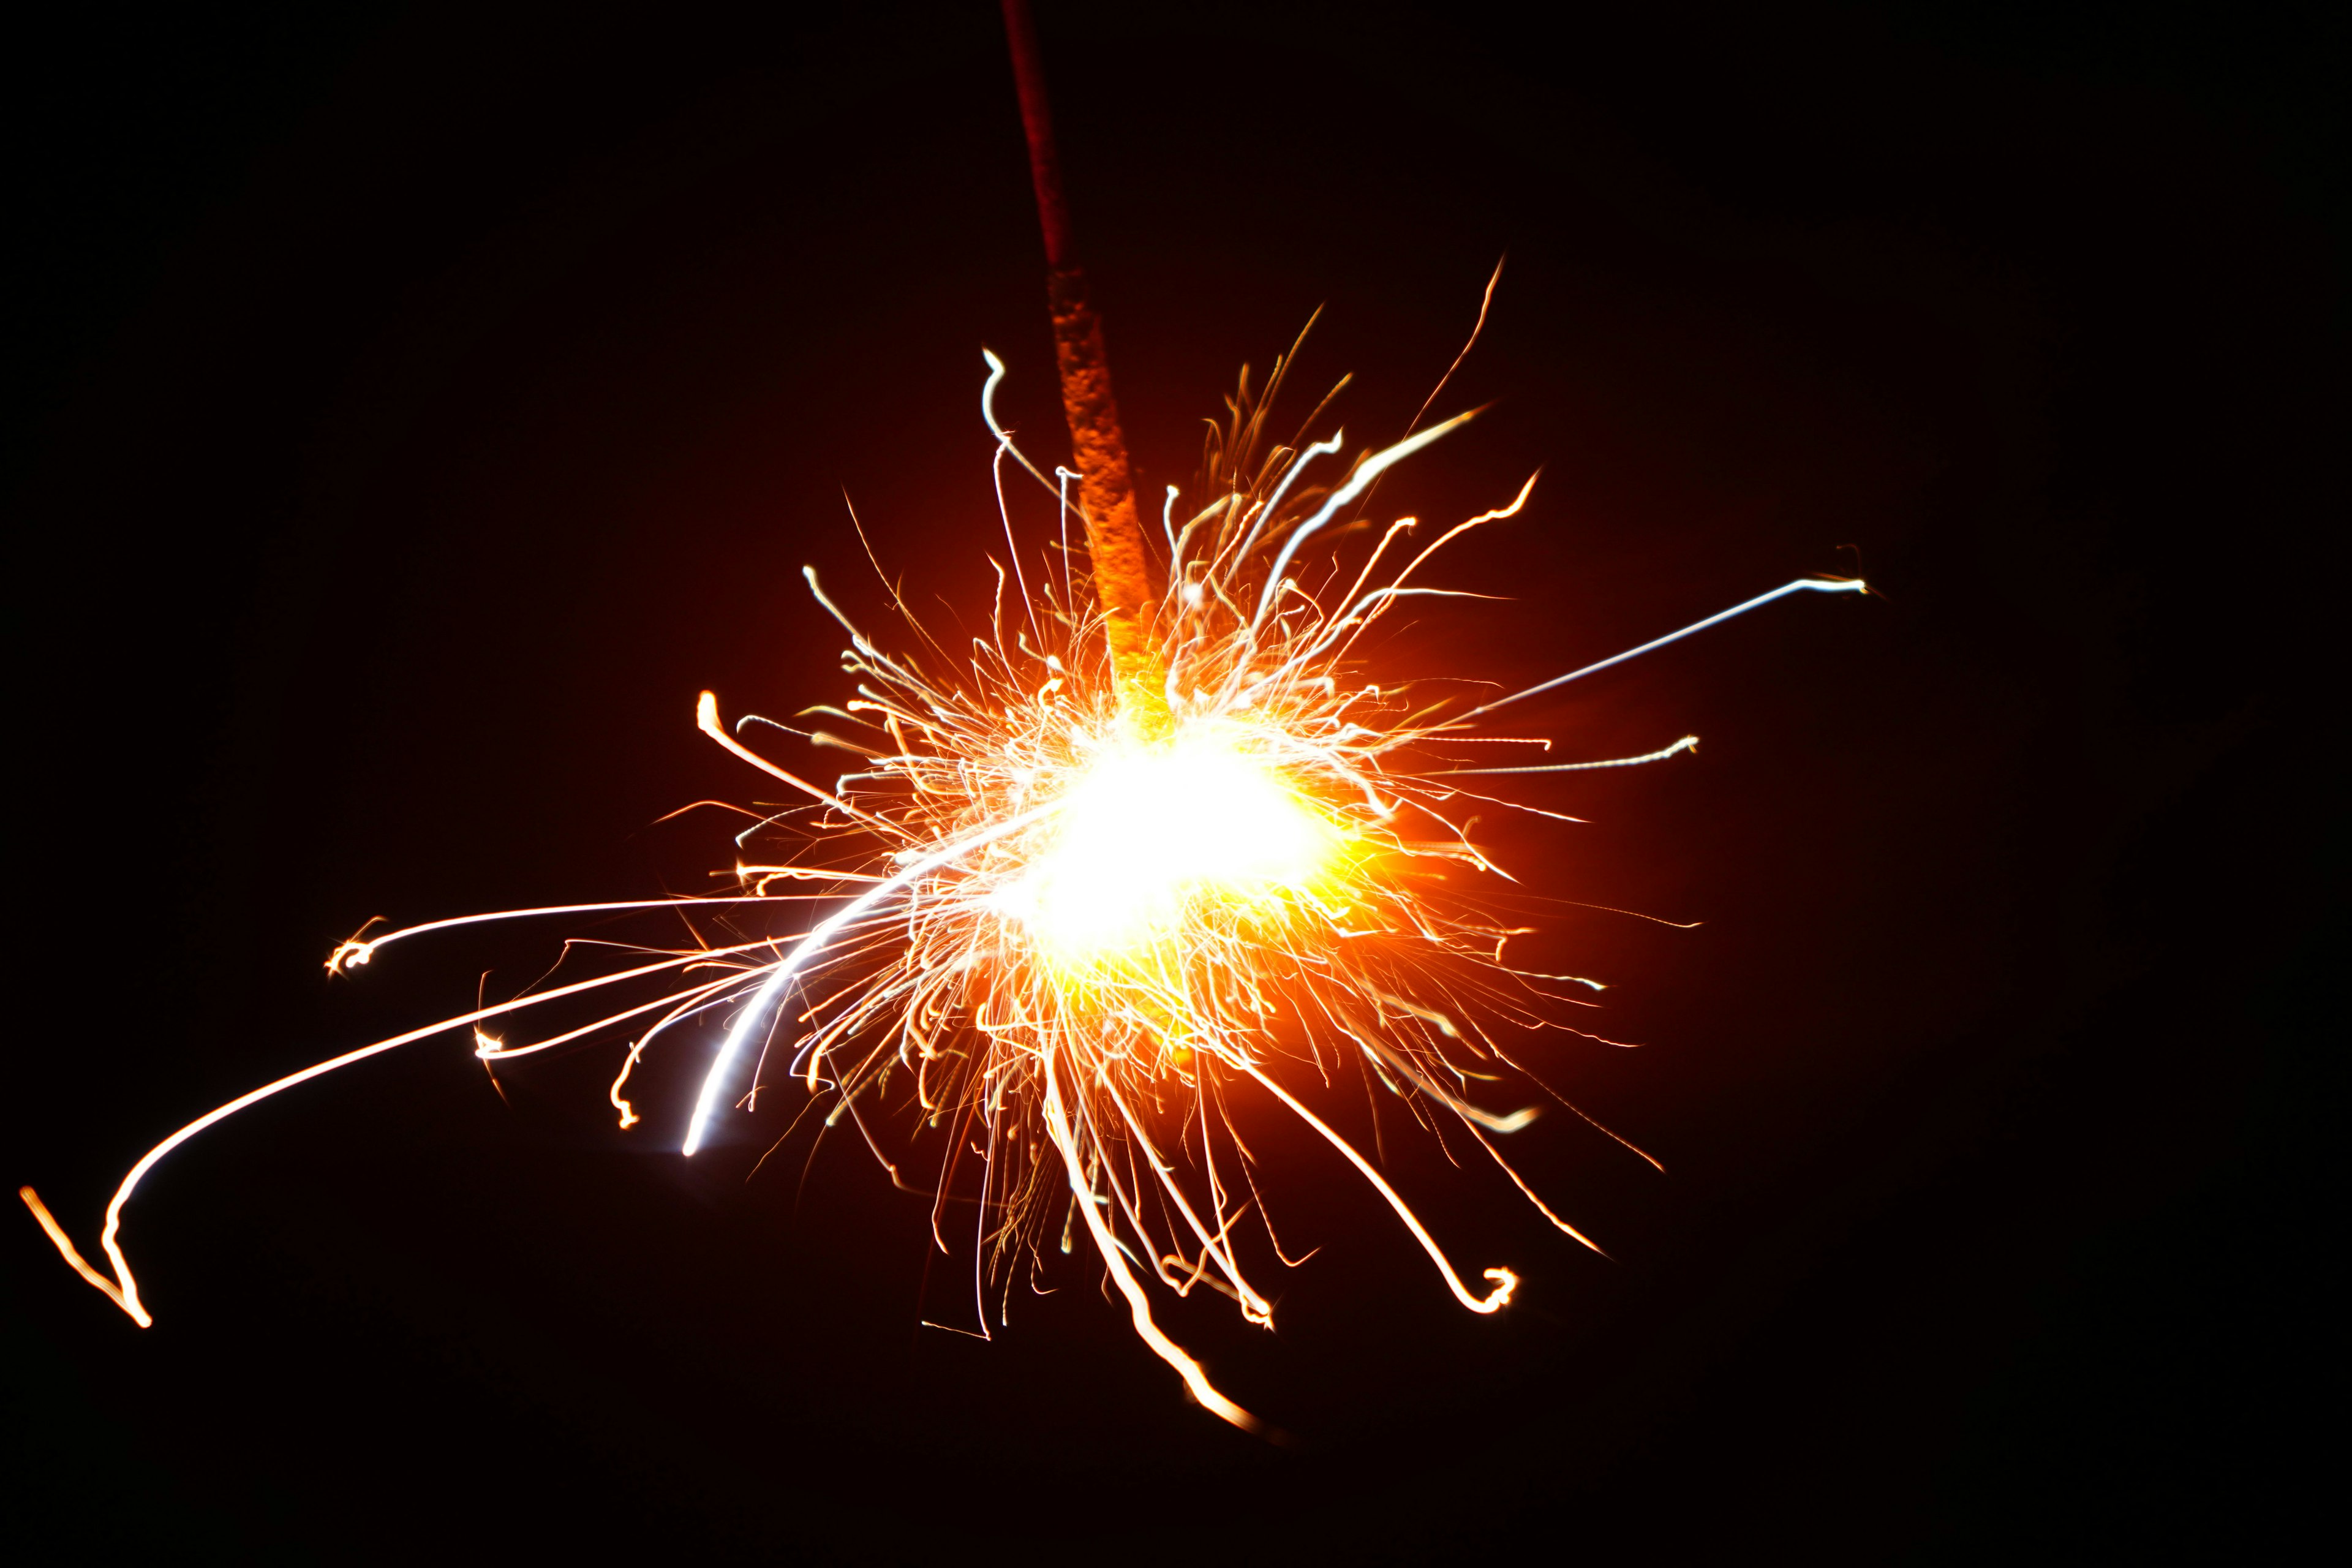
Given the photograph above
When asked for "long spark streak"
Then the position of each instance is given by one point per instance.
(1818, 584)
(128, 1300)
(1687, 743)
(780, 974)
(354, 953)
(1504, 1281)
(1058, 1123)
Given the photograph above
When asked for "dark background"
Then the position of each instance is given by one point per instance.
(415, 407)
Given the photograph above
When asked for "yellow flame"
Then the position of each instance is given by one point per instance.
(1148, 832)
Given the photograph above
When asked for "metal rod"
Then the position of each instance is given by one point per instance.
(1121, 565)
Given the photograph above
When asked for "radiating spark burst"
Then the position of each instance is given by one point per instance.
(1070, 937)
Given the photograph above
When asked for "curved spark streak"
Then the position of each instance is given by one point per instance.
(988, 414)
(1289, 476)
(1504, 1281)
(128, 1300)
(705, 718)
(780, 974)
(355, 951)
(1057, 1126)
(1372, 468)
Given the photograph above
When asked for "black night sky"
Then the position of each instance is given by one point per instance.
(412, 407)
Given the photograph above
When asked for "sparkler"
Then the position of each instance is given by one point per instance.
(1135, 853)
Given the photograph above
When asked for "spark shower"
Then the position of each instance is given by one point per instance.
(1165, 838)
